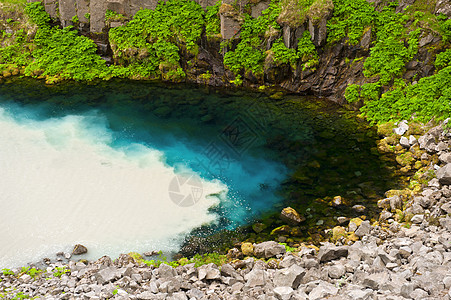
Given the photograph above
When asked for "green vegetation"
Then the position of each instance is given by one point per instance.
(350, 18)
(62, 53)
(249, 54)
(7, 272)
(149, 44)
(198, 260)
(443, 59)
(60, 271)
(113, 16)
(212, 22)
(396, 44)
(307, 52)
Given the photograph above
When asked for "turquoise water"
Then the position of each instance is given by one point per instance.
(249, 156)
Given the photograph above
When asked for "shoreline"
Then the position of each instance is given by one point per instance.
(404, 255)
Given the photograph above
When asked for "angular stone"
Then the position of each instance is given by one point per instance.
(376, 280)
(402, 128)
(444, 174)
(255, 278)
(290, 277)
(395, 203)
(107, 275)
(145, 296)
(330, 252)
(322, 291)
(268, 249)
(446, 207)
(363, 229)
(336, 271)
(417, 219)
(445, 158)
(412, 140)
(427, 142)
(166, 271)
(79, 249)
(283, 292)
(403, 141)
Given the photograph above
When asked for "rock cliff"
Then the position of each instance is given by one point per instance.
(337, 65)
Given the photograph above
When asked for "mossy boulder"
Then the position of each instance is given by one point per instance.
(290, 216)
(386, 129)
(247, 249)
(259, 227)
(337, 233)
(281, 230)
(405, 159)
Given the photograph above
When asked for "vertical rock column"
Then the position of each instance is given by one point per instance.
(51, 7)
(67, 9)
(230, 21)
(83, 13)
(97, 16)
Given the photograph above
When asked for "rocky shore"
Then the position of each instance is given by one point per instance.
(404, 255)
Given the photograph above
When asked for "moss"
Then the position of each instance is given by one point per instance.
(338, 232)
(320, 9)
(386, 129)
(294, 12)
(405, 159)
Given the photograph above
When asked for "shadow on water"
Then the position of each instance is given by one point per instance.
(294, 151)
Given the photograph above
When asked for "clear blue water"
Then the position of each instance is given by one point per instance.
(268, 153)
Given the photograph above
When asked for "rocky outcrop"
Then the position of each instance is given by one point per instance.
(338, 65)
(413, 263)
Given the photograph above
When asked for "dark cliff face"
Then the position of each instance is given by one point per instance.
(339, 64)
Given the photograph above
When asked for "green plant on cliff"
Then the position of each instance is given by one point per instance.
(17, 53)
(307, 51)
(62, 52)
(350, 18)
(212, 22)
(249, 54)
(397, 36)
(151, 42)
(390, 54)
(284, 55)
(443, 59)
(111, 15)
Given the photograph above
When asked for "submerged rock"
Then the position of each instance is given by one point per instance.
(291, 216)
(79, 249)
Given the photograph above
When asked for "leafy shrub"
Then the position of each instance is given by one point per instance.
(249, 53)
(282, 54)
(352, 93)
(445, 27)
(350, 18)
(443, 59)
(212, 22)
(307, 51)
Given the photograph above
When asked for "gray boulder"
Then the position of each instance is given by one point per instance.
(283, 292)
(255, 278)
(404, 142)
(323, 290)
(79, 249)
(330, 252)
(402, 128)
(290, 277)
(444, 174)
(363, 229)
(268, 249)
(107, 275)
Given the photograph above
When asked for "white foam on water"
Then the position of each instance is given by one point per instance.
(62, 182)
